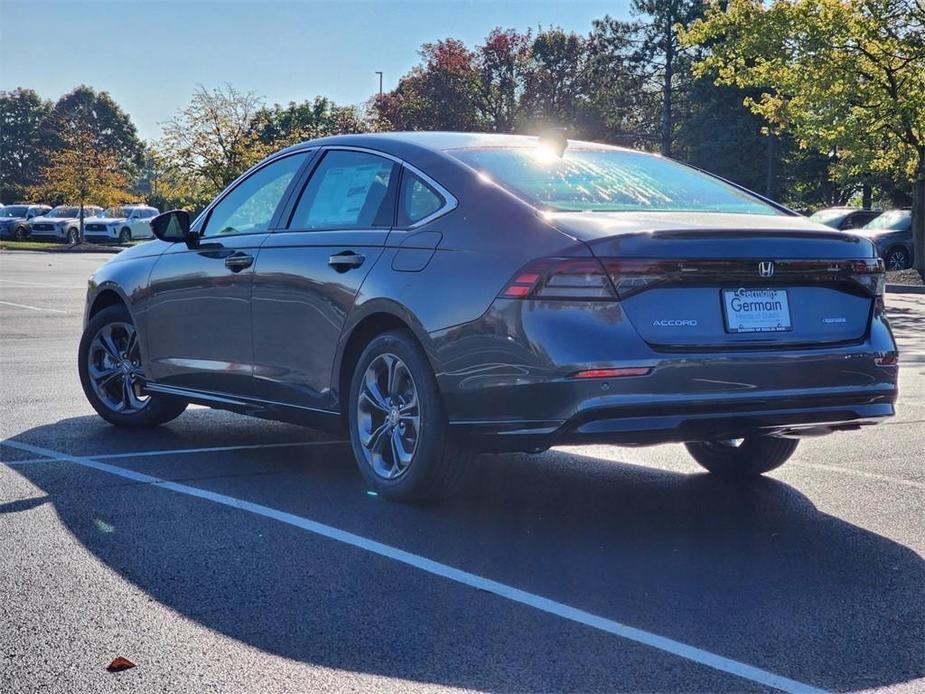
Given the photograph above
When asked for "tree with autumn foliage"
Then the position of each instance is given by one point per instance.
(843, 76)
(442, 93)
(81, 172)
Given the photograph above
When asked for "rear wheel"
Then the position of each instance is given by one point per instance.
(748, 457)
(112, 375)
(897, 259)
(398, 428)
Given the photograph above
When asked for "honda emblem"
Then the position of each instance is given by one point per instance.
(766, 268)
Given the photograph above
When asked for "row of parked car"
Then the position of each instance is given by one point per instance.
(120, 224)
(890, 230)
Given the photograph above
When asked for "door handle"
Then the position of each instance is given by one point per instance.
(239, 261)
(346, 261)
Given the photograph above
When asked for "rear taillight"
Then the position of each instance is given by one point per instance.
(630, 276)
(870, 274)
(561, 278)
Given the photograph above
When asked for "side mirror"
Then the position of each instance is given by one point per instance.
(174, 227)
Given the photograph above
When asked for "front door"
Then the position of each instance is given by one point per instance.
(198, 317)
(308, 274)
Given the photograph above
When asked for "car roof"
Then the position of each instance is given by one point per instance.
(436, 141)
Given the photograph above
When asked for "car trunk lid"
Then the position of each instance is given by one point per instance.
(689, 282)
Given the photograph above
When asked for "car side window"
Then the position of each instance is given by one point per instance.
(348, 190)
(417, 200)
(250, 206)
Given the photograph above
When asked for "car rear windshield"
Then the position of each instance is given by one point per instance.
(826, 216)
(14, 211)
(607, 180)
(894, 219)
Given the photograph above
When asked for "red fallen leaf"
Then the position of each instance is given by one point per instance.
(119, 664)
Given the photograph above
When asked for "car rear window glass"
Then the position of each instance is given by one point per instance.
(608, 180)
(348, 190)
(893, 219)
(418, 199)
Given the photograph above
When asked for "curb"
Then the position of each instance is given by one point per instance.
(905, 288)
(52, 249)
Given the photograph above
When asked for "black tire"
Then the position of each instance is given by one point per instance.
(125, 236)
(436, 467)
(73, 236)
(20, 233)
(156, 410)
(897, 258)
(754, 456)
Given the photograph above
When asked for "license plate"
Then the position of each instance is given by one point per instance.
(756, 310)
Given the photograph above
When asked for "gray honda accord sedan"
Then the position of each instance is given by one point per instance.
(435, 294)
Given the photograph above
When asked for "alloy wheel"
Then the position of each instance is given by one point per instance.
(388, 416)
(73, 236)
(896, 260)
(114, 367)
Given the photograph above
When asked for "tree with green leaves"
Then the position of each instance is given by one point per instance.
(666, 59)
(99, 117)
(214, 139)
(842, 76)
(280, 126)
(556, 85)
(22, 146)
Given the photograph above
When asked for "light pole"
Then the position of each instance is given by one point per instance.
(379, 72)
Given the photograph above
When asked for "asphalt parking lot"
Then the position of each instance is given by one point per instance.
(231, 554)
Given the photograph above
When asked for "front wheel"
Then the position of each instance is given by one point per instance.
(73, 236)
(112, 375)
(20, 233)
(748, 457)
(398, 428)
(125, 236)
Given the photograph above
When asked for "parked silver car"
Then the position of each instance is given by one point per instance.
(121, 224)
(891, 233)
(62, 223)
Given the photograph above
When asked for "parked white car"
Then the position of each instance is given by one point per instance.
(121, 224)
(62, 223)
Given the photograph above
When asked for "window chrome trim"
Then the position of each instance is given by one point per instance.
(450, 202)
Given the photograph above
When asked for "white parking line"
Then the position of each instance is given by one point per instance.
(646, 638)
(177, 451)
(33, 308)
(41, 284)
(825, 467)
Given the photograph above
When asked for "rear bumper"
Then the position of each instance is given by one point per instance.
(679, 421)
(507, 383)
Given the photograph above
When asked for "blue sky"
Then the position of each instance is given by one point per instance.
(151, 55)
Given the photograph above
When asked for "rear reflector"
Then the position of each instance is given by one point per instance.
(892, 360)
(613, 373)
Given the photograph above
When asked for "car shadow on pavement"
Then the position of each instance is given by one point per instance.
(749, 571)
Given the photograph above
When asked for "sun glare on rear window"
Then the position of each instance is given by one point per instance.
(608, 180)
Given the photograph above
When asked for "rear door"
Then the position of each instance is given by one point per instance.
(199, 313)
(308, 274)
